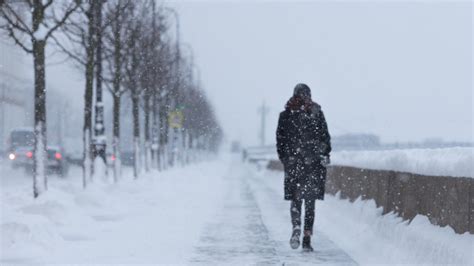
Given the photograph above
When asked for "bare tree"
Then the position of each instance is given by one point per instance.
(151, 43)
(139, 56)
(84, 34)
(79, 44)
(133, 61)
(162, 104)
(37, 21)
(114, 38)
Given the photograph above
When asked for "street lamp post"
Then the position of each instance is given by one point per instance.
(100, 142)
(173, 156)
(186, 140)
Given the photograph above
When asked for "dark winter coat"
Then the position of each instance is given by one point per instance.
(302, 141)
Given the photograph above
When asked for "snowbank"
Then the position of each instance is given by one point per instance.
(372, 238)
(154, 219)
(458, 162)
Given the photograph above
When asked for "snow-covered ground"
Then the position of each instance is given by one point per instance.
(221, 212)
(458, 162)
(157, 219)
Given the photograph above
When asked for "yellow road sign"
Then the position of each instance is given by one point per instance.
(176, 119)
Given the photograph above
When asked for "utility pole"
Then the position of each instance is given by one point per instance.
(263, 110)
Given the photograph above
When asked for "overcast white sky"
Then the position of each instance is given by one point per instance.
(399, 70)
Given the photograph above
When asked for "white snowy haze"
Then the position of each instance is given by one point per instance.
(401, 70)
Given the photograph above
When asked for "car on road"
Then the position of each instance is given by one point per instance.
(21, 137)
(20, 145)
(126, 158)
(20, 153)
(55, 162)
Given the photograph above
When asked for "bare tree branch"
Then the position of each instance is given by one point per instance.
(11, 33)
(45, 6)
(70, 10)
(30, 3)
(16, 22)
(67, 52)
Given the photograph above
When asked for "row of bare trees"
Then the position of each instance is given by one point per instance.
(129, 48)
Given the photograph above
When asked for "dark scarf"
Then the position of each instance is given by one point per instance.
(296, 103)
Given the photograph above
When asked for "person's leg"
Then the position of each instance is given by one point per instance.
(296, 222)
(296, 213)
(308, 224)
(309, 207)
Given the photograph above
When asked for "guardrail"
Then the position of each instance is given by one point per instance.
(444, 200)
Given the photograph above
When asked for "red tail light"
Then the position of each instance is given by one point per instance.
(113, 158)
(58, 156)
(29, 154)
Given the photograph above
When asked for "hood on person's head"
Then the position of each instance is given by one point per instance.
(301, 100)
(302, 91)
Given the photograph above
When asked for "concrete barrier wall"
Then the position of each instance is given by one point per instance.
(444, 200)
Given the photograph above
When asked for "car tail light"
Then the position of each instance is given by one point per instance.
(11, 156)
(58, 156)
(113, 158)
(29, 154)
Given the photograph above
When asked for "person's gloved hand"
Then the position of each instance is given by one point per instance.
(325, 161)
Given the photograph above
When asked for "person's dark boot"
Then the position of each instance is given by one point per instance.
(295, 238)
(307, 244)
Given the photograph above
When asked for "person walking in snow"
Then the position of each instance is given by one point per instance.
(303, 145)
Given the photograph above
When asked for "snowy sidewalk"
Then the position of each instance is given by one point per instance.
(253, 227)
(213, 213)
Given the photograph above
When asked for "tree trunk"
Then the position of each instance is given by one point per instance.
(39, 175)
(185, 151)
(147, 133)
(116, 138)
(117, 95)
(191, 147)
(156, 134)
(88, 98)
(162, 150)
(136, 133)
